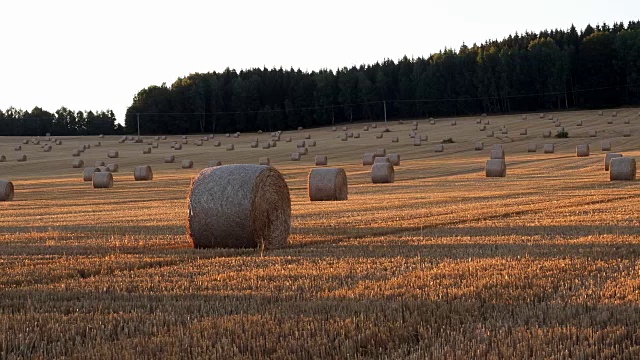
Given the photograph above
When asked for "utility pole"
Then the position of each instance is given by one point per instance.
(138, 117)
(385, 110)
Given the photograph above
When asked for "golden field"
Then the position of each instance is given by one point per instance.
(443, 263)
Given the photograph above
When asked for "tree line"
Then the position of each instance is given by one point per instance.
(64, 122)
(550, 70)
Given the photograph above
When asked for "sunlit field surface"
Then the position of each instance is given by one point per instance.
(443, 263)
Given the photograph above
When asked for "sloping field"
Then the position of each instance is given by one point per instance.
(443, 263)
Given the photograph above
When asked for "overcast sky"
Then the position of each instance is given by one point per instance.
(96, 55)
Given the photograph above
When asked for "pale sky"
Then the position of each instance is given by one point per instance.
(96, 55)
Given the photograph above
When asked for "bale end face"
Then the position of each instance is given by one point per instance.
(327, 184)
(495, 168)
(143, 173)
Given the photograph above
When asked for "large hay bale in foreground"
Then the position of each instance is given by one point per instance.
(582, 150)
(495, 168)
(102, 180)
(143, 173)
(382, 173)
(607, 159)
(622, 168)
(112, 154)
(321, 160)
(6, 190)
(239, 206)
(87, 174)
(327, 184)
(394, 159)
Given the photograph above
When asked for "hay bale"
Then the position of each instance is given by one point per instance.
(147, 150)
(373, 126)
(626, 132)
(558, 124)
(303, 151)
(453, 123)
(3, 158)
(311, 143)
(400, 122)
(412, 134)
(327, 184)
(542, 115)
(478, 121)
(169, 159)
(495, 168)
(483, 127)
(382, 173)
(432, 122)
(417, 142)
(230, 147)
(439, 148)
(185, 141)
(239, 206)
(414, 123)
(301, 144)
(25, 142)
(187, 164)
(368, 159)
(266, 145)
(103, 168)
(273, 143)
(490, 133)
(424, 137)
(87, 173)
(102, 180)
(593, 133)
(487, 122)
(497, 147)
(334, 129)
(523, 132)
(626, 121)
(532, 147)
(288, 139)
(394, 158)
(236, 135)
(308, 136)
(343, 137)
(155, 145)
(46, 148)
(380, 152)
(549, 148)
(18, 148)
(254, 144)
(217, 143)
(113, 167)
(99, 163)
(356, 135)
(609, 121)
(97, 144)
(21, 158)
(205, 138)
(614, 114)
(295, 156)
(524, 117)
(496, 154)
(344, 128)
(156, 138)
(383, 159)
(607, 159)
(163, 137)
(321, 160)
(379, 136)
(143, 173)
(365, 128)
(395, 139)
(504, 131)
(259, 131)
(112, 154)
(264, 161)
(6, 190)
(546, 134)
(582, 150)
(622, 168)
(198, 142)
(228, 135)
(75, 152)
(214, 163)
(605, 145)
(479, 146)
(300, 128)
(600, 113)
(579, 123)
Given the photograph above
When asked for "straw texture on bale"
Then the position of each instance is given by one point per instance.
(295, 156)
(327, 184)
(112, 154)
(478, 121)
(622, 168)
(368, 158)
(505, 131)
(6, 190)
(549, 148)
(229, 147)
(169, 158)
(365, 128)
(383, 159)
(87, 174)
(582, 150)
(414, 127)
(187, 164)
(487, 122)
(607, 159)
(343, 137)
(264, 161)
(532, 147)
(113, 167)
(600, 113)
(479, 146)
(142, 173)
(614, 114)
(102, 180)
(213, 163)
(439, 148)
(605, 145)
(254, 144)
(495, 168)
(496, 154)
(321, 160)
(239, 206)
(382, 173)
(21, 158)
(394, 159)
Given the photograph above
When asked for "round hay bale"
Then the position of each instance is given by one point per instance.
(607, 159)
(593, 133)
(373, 126)
(549, 148)
(605, 145)
(99, 163)
(504, 131)
(626, 132)
(239, 206)
(610, 121)
(334, 129)
(3, 158)
(184, 137)
(380, 152)
(417, 142)
(453, 123)
(112, 154)
(259, 131)
(87, 174)
(439, 148)
(308, 136)
(301, 144)
(600, 113)
(532, 147)
(59, 142)
(483, 127)
(169, 158)
(75, 152)
(414, 123)
(627, 121)
(478, 121)
(542, 115)
(21, 158)
(344, 128)
(523, 132)
(163, 137)
(229, 147)
(46, 148)
(217, 143)
(184, 141)
(103, 168)
(311, 143)
(155, 145)
(622, 168)
(295, 156)
(487, 122)
(264, 161)
(18, 148)
(356, 135)
(424, 137)
(497, 147)
(300, 128)
(228, 135)
(579, 123)
(205, 138)
(147, 150)
(327, 184)
(266, 145)
(365, 128)
(524, 117)
(432, 122)
(490, 133)
(122, 140)
(614, 114)
(414, 127)
(558, 124)
(367, 159)
(156, 138)
(214, 163)
(382, 173)
(379, 136)
(142, 173)
(496, 154)
(546, 134)
(394, 159)
(102, 180)
(479, 146)
(187, 164)
(97, 144)
(582, 150)
(321, 160)
(25, 142)
(395, 139)
(254, 144)
(343, 137)
(113, 167)
(6, 190)
(380, 160)
(198, 142)
(303, 151)
(273, 143)
(495, 168)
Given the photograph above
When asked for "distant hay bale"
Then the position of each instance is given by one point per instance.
(25, 142)
(380, 152)
(301, 144)
(412, 134)
(230, 147)
(600, 113)
(496, 154)
(610, 121)
(414, 123)
(303, 151)
(417, 142)
(495, 168)
(266, 145)
(479, 146)
(99, 163)
(373, 126)
(546, 134)
(484, 115)
(343, 137)
(156, 138)
(593, 133)
(308, 136)
(311, 143)
(524, 117)
(334, 129)
(365, 128)
(582, 150)
(382, 173)
(259, 131)
(356, 135)
(185, 141)
(523, 132)
(622, 168)
(542, 115)
(614, 114)
(453, 123)
(394, 158)
(549, 148)
(205, 138)
(439, 148)
(77, 163)
(344, 128)
(113, 167)
(187, 164)
(368, 159)
(327, 184)
(579, 123)
(169, 158)
(6, 190)
(87, 174)
(400, 122)
(239, 206)
(350, 134)
(274, 143)
(143, 173)
(47, 148)
(432, 122)
(383, 159)
(558, 124)
(532, 147)
(379, 136)
(198, 142)
(97, 144)
(147, 150)
(321, 160)
(236, 135)
(3, 158)
(155, 145)
(75, 152)
(626, 132)
(264, 161)
(254, 144)
(21, 158)
(18, 148)
(295, 156)
(288, 139)
(504, 131)
(414, 127)
(483, 128)
(605, 145)
(163, 137)
(478, 121)
(102, 180)
(424, 137)
(490, 133)
(395, 139)
(300, 128)
(228, 135)
(113, 154)
(626, 121)
(487, 122)
(214, 163)
(217, 143)
(607, 159)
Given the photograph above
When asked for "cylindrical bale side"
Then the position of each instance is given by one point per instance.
(549, 148)
(327, 184)
(187, 164)
(439, 148)
(295, 156)
(368, 158)
(605, 145)
(582, 150)
(383, 159)
(416, 141)
(495, 168)
(496, 154)
(177, 146)
(622, 168)
(321, 160)
(112, 154)
(479, 146)
(143, 173)
(113, 167)
(6, 190)
(230, 147)
(394, 159)
(490, 133)
(99, 163)
(607, 159)
(21, 158)
(380, 152)
(102, 180)
(77, 163)
(87, 174)
(532, 147)
(382, 173)
(239, 206)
